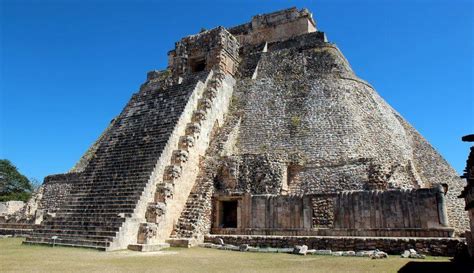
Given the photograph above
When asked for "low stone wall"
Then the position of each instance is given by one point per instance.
(393, 245)
(388, 232)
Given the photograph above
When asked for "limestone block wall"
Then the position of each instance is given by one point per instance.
(250, 173)
(422, 208)
(56, 189)
(277, 212)
(416, 213)
(264, 212)
(307, 100)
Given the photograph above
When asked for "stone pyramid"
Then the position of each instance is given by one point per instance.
(258, 129)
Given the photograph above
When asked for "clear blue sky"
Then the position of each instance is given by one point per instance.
(69, 67)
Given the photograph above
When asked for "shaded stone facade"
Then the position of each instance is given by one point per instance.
(259, 129)
(468, 194)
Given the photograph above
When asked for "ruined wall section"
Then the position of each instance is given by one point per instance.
(212, 49)
(276, 26)
(250, 173)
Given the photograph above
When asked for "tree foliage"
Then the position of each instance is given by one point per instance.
(13, 185)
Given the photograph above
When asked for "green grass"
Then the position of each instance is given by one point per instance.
(15, 257)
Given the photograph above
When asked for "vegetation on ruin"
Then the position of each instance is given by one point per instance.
(13, 185)
(15, 257)
(295, 121)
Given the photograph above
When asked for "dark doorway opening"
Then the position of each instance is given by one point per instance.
(229, 214)
(198, 65)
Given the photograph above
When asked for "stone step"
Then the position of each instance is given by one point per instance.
(89, 206)
(96, 211)
(79, 220)
(76, 232)
(103, 183)
(108, 186)
(15, 232)
(100, 222)
(110, 227)
(103, 214)
(71, 242)
(134, 192)
(106, 191)
(102, 198)
(148, 248)
(112, 202)
(16, 225)
(81, 215)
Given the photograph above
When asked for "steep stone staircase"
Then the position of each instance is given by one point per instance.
(108, 191)
(181, 175)
(195, 219)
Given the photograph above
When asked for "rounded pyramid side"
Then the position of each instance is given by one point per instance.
(434, 169)
(308, 103)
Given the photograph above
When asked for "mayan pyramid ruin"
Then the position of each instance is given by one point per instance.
(259, 134)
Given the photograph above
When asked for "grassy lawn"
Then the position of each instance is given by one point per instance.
(15, 257)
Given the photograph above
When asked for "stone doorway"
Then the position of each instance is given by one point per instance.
(229, 214)
(198, 64)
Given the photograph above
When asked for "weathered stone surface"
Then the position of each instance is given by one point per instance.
(10, 207)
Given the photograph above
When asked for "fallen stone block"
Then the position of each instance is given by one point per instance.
(219, 241)
(206, 245)
(323, 252)
(231, 247)
(253, 249)
(214, 246)
(364, 253)
(379, 255)
(269, 250)
(285, 250)
(244, 247)
(405, 254)
(300, 250)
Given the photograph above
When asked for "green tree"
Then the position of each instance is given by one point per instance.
(13, 185)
